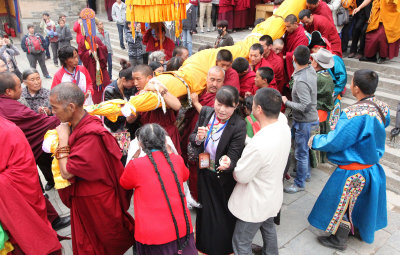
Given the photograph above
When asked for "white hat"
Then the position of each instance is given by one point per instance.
(324, 58)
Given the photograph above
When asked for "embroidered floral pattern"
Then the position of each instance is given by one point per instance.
(366, 109)
(352, 189)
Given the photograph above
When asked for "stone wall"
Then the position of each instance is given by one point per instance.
(31, 11)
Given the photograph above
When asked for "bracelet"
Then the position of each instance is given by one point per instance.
(62, 150)
(61, 157)
(162, 93)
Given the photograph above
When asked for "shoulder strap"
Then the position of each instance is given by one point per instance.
(380, 112)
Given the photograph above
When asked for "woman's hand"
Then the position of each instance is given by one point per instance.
(356, 10)
(201, 133)
(224, 163)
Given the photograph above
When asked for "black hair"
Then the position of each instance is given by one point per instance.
(258, 47)
(153, 137)
(144, 69)
(174, 64)
(367, 80)
(127, 23)
(154, 65)
(270, 101)
(258, 21)
(228, 95)
(240, 65)
(46, 14)
(29, 26)
(68, 92)
(224, 55)
(178, 51)
(65, 53)
(27, 72)
(278, 2)
(302, 55)
(205, 47)
(7, 82)
(126, 70)
(305, 13)
(62, 16)
(248, 102)
(266, 73)
(312, 1)
(267, 39)
(291, 18)
(222, 23)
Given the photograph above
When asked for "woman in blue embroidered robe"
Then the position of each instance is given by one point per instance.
(357, 196)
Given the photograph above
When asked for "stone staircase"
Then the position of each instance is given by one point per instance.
(388, 89)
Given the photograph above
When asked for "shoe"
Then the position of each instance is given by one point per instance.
(47, 58)
(366, 59)
(49, 186)
(294, 174)
(61, 222)
(351, 55)
(202, 31)
(293, 189)
(123, 48)
(395, 132)
(339, 240)
(47, 76)
(256, 249)
(358, 56)
(381, 60)
(56, 65)
(208, 30)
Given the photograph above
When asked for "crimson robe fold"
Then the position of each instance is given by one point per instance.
(278, 66)
(324, 10)
(292, 40)
(22, 204)
(100, 222)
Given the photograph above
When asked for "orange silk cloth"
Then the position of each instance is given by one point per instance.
(386, 12)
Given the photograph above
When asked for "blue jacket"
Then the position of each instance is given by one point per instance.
(339, 75)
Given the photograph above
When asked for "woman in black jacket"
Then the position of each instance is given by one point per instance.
(219, 135)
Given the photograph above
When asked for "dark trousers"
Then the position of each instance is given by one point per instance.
(214, 14)
(47, 47)
(398, 116)
(34, 58)
(346, 34)
(109, 65)
(54, 50)
(135, 61)
(44, 163)
(359, 28)
(121, 35)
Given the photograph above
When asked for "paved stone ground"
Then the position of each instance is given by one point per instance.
(295, 235)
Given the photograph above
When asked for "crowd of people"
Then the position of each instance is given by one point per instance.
(227, 155)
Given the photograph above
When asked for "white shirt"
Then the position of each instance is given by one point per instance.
(258, 194)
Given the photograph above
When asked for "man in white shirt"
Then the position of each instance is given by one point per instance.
(258, 194)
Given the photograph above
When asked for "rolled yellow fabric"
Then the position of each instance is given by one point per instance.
(8, 247)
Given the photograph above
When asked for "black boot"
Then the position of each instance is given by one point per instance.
(339, 240)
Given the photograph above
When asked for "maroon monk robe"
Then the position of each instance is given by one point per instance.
(232, 78)
(277, 65)
(22, 204)
(90, 64)
(327, 30)
(251, 16)
(225, 12)
(324, 10)
(167, 121)
(298, 37)
(100, 222)
(247, 83)
(264, 63)
(190, 120)
(240, 13)
(376, 41)
(108, 6)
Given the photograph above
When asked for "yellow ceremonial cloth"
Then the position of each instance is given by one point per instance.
(386, 12)
(59, 182)
(8, 247)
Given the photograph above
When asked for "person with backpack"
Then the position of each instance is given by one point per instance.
(34, 45)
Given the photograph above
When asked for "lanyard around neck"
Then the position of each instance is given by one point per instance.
(209, 133)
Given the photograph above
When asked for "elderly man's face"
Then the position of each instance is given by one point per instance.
(277, 48)
(185, 54)
(63, 112)
(215, 80)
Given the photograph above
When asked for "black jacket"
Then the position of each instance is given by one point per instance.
(112, 92)
(190, 22)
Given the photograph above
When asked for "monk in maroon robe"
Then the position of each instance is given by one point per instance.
(257, 60)
(321, 8)
(225, 12)
(224, 60)
(215, 80)
(22, 204)
(90, 158)
(108, 6)
(34, 126)
(240, 12)
(295, 35)
(89, 62)
(327, 29)
(274, 61)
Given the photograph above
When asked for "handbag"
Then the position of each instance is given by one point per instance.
(342, 16)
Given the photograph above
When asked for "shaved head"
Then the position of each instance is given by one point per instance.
(67, 92)
(291, 18)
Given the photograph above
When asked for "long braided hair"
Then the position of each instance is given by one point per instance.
(153, 137)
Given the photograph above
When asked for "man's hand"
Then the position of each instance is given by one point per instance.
(224, 163)
(284, 99)
(63, 131)
(310, 141)
(195, 98)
